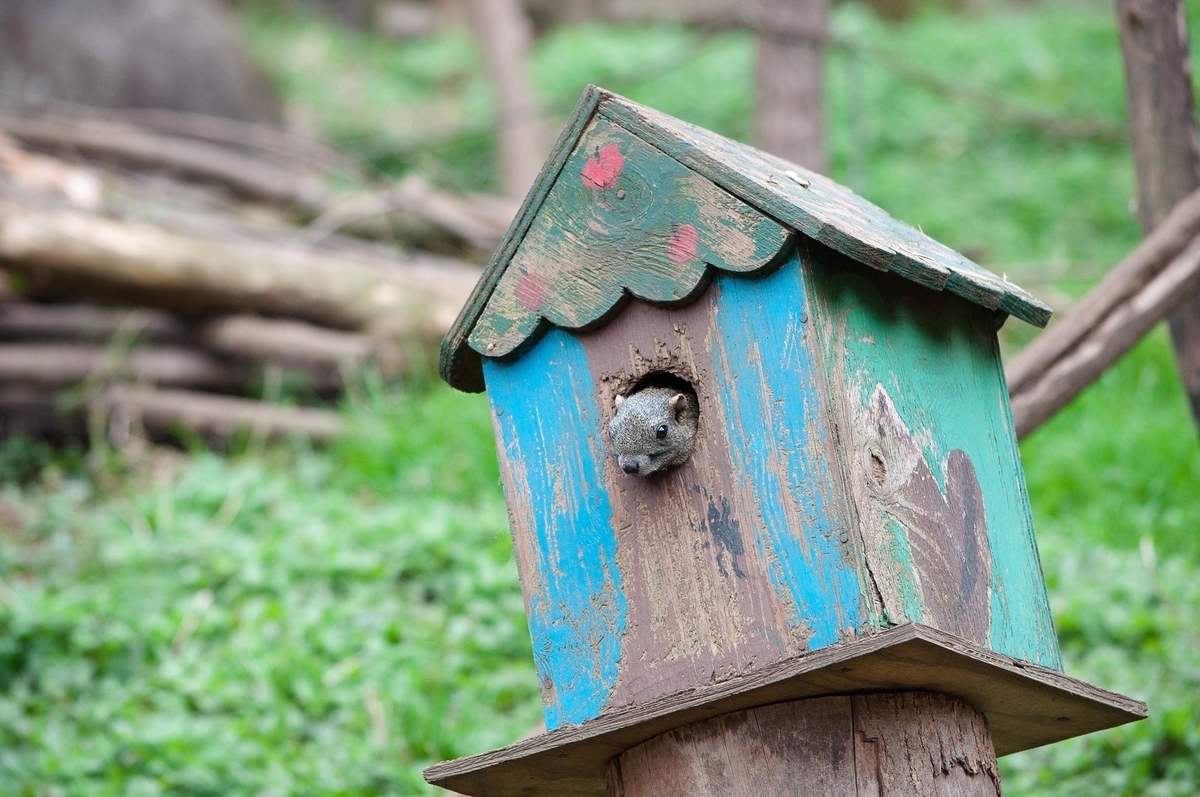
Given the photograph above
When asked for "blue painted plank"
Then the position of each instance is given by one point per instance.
(553, 450)
(777, 424)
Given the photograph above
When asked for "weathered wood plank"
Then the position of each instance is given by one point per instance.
(774, 408)
(701, 606)
(459, 364)
(566, 547)
(820, 208)
(932, 458)
(917, 744)
(741, 556)
(622, 218)
(1026, 706)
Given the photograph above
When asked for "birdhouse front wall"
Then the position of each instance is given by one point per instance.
(745, 555)
(855, 469)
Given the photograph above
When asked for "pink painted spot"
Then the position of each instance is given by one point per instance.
(684, 243)
(531, 291)
(603, 168)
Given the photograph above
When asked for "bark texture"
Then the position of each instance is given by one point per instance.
(905, 744)
(1166, 148)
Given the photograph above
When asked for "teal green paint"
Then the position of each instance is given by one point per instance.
(653, 230)
(910, 588)
(938, 359)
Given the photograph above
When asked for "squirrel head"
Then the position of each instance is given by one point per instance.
(653, 429)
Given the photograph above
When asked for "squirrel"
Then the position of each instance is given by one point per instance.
(653, 429)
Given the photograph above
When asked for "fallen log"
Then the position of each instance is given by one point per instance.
(68, 364)
(1127, 278)
(478, 221)
(27, 321)
(33, 411)
(257, 139)
(289, 343)
(1092, 353)
(129, 145)
(66, 252)
(214, 416)
(77, 185)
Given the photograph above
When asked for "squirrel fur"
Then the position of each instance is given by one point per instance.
(653, 429)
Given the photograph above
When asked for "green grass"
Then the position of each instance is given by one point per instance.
(1113, 481)
(317, 622)
(1120, 465)
(294, 622)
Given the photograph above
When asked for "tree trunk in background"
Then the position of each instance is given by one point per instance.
(504, 31)
(1166, 149)
(791, 36)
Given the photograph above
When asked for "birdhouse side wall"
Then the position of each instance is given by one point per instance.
(745, 555)
(931, 458)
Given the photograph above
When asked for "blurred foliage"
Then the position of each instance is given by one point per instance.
(1121, 463)
(1039, 207)
(286, 621)
(294, 622)
(1129, 623)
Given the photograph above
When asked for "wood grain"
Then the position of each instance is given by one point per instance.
(565, 543)
(907, 744)
(459, 364)
(622, 218)
(931, 457)
(702, 606)
(1025, 705)
(1165, 141)
(917, 744)
(828, 213)
(739, 558)
(802, 747)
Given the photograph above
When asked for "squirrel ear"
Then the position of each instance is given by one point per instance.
(620, 400)
(678, 405)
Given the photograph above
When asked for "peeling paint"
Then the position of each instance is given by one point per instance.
(552, 452)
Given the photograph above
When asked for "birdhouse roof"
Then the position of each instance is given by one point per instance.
(635, 203)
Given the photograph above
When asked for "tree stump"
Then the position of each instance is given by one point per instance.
(899, 744)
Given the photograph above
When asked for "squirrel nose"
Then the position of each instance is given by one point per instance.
(629, 467)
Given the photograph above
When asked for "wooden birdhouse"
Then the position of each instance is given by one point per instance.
(852, 517)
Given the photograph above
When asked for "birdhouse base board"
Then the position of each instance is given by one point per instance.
(1026, 706)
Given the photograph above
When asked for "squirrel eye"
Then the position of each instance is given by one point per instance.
(662, 432)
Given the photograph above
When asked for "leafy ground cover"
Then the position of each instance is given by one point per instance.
(284, 620)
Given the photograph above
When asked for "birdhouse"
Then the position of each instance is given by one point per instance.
(851, 515)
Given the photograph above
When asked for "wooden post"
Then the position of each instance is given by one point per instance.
(900, 744)
(1166, 152)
